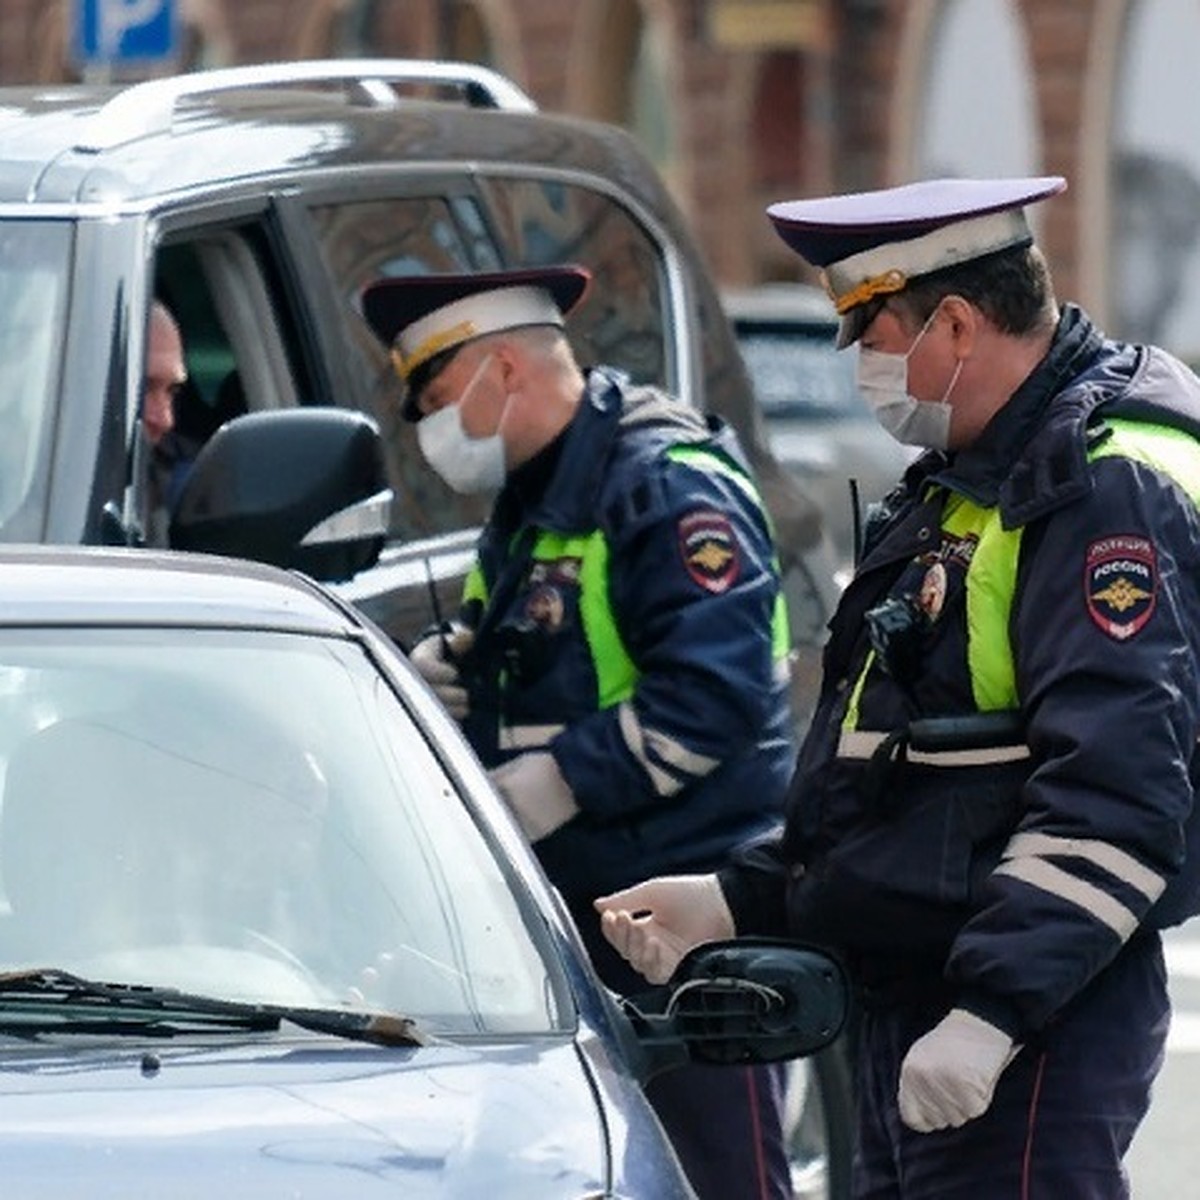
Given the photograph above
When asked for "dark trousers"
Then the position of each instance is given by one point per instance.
(1064, 1112)
(725, 1123)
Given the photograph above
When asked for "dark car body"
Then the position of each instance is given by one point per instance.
(224, 792)
(258, 202)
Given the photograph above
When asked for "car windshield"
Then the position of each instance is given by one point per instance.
(249, 816)
(799, 374)
(34, 261)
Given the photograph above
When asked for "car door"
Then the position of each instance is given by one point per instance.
(267, 289)
(635, 318)
(267, 296)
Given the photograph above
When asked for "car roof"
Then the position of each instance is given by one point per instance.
(88, 144)
(69, 585)
(782, 303)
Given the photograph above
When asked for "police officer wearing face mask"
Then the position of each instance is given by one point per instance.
(993, 814)
(620, 660)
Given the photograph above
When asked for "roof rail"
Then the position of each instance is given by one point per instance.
(149, 107)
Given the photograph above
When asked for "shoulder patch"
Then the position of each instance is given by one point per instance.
(710, 549)
(1120, 584)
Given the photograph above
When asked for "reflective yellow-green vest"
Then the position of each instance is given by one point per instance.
(616, 673)
(992, 574)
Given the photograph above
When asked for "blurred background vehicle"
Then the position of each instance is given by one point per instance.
(265, 923)
(821, 429)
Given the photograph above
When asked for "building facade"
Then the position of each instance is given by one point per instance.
(743, 102)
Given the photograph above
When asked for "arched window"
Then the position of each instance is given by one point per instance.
(462, 33)
(622, 73)
(779, 166)
(976, 113)
(1155, 180)
(453, 29)
(204, 37)
(650, 109)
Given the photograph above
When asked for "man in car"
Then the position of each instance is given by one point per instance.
(164, 375)
(993, 812)
(620, 659)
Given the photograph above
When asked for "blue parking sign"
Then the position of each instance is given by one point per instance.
(125, 31)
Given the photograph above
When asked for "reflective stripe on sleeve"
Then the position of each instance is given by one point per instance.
(669, 764)
(861, 744)
(527, 737)
(1047, 877)
(1115, 861)
(663, 782)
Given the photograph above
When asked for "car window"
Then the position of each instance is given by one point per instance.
(799, 373)
(622, 320)
(242, 342)
(252, 816)
(181, 283)
(34, 269)
(517, 222)
(363, 241)
(237, 331)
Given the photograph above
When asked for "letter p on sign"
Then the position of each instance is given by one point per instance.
(126, 31)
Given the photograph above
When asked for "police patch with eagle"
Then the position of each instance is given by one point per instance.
(1120, 583)
(709, 548)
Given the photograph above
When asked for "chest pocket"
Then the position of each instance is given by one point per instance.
(990, 585)
(587, 556)
(542, 615)
(965, 595)
(564, 593)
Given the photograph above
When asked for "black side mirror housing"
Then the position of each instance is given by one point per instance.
(749, 1000)
(303, 488)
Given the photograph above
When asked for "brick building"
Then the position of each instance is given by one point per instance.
(742, 102)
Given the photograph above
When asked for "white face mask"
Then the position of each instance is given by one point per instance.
(883, 380)
(468, 464)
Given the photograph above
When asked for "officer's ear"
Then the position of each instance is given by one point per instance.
(510, 359)
(963, 320)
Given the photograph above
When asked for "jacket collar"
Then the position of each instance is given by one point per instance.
(1011, 467)
(567, 501)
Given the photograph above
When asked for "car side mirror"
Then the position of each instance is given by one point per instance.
(304, 488)
(749, 1000)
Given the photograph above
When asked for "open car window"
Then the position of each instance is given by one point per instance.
(799, 374)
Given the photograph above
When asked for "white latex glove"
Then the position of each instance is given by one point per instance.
(534, 788)
(429, 657)
(948, 1076)
(654, 924)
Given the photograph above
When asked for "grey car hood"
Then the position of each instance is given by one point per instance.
(300, 1119)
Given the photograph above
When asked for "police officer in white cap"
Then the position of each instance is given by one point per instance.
(620, 661)
(993, 813)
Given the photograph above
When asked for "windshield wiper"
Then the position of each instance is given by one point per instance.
(51, 1000)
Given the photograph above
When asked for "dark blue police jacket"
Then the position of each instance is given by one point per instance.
(1013, 870)
(631, 628)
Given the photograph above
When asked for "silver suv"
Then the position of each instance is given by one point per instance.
(257, 202)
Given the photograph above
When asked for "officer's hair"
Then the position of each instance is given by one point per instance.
(1012, 288)
(543, 338)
